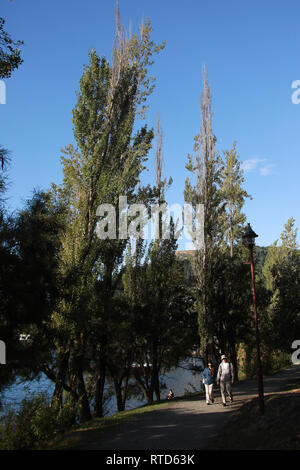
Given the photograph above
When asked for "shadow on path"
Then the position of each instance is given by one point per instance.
(187, 424)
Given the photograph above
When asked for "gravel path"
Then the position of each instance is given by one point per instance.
(185, 425)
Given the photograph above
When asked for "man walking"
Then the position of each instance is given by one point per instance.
(225, 378)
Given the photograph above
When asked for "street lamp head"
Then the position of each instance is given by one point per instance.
(249, 237)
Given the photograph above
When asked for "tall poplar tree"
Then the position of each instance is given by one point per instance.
(205, 165)
(232, 319)
(106, 165)
(234, 197)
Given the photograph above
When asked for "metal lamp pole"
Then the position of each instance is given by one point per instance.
(249, 240)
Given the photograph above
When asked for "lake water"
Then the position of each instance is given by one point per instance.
(181, 379)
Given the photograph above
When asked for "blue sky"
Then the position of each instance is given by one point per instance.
(252, 55)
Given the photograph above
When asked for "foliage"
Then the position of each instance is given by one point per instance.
(29, 285)
(88, 318)
(164, 324)
(205, 165)
(37, 420)
(234, 196)
(219, 296)
(4, 162)
(10, 53)
(100, 309)
(281, 273)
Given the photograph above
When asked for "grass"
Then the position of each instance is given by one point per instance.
(277, 429)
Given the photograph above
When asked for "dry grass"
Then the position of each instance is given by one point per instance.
(277, 429)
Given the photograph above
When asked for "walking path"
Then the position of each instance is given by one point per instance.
(187, 424)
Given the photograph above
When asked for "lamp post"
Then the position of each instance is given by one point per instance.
(249, 240)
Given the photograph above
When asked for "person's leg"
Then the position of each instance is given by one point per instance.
(207, 393)
(211, 394)
(229, 391)
(222, 387)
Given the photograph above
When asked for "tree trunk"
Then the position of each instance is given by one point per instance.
(62, 370)
(85, 413)
(144, 387)
(100, 384)
(125, 388)
(155, 382)
(118, 390)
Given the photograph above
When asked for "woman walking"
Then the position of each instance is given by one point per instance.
(208, 380)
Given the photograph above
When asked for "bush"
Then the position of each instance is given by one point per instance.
(37, 420)
(272, 361)
(7, 430)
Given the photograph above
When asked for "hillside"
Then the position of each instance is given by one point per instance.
(260, 253)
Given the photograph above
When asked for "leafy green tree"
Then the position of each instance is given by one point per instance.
(282, 277)
(205, 165)
(28, 284)
(164, 323)
(234, 317)
(9, 60)
(272, 259)
(106, 165)
(8, 267)
(233, 302)
(10, 53)
(234, 197)
(155, 288)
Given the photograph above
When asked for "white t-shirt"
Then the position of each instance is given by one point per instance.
(225, 372)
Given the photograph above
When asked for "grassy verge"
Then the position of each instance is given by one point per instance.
(277, 429)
